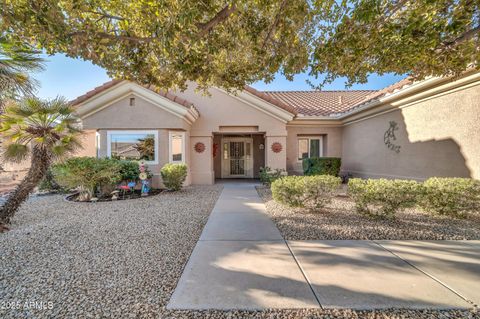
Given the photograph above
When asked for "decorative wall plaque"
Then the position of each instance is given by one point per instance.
(389, 137)
(276, 147)
(199, 147)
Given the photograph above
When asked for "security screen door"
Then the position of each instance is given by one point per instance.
(237, 158)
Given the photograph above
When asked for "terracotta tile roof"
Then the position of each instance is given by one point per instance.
(303, 103)
(109, 84)
(381, 93)
(95, 91)
(331, 103)
(320, 103)
(272, 99)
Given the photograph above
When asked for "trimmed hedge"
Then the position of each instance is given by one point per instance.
(173, 176)
(382, 198)
(322, 166)
(268, 176)
(450, 196)
(313, 192)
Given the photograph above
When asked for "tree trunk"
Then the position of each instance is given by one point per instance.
(38, 168)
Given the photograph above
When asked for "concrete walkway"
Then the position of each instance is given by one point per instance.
(242, 262)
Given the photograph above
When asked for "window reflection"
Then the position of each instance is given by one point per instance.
(132, 146)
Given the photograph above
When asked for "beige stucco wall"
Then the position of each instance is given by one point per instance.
(221, 109)
(331, 137)
(221, 112)
(143, 115)
(88, 144)
(438, 137)
(201, 164)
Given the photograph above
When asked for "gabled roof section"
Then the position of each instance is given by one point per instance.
(320, 103)
(109, 84)
(95, 91)
(112, 91)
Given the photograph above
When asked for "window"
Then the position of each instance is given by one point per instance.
(309, 147)
(133, 145)
(177, 147)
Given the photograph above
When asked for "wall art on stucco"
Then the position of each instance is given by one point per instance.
(277, 147)
(389, 137)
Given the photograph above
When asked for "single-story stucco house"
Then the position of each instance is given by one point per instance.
(411, 130)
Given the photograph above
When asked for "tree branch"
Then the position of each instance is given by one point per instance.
(468, 35)
(275, 24)
(106, 15)
(105, 35)
(220, 17)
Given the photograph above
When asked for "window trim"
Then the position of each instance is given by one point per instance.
(309, 138)
(151, 132)
(170, 155)
(97, 144)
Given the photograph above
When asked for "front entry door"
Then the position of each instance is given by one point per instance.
(237, 159)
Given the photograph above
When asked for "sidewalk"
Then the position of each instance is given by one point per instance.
(242, 262)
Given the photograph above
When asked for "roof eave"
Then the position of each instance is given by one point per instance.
(408, 94)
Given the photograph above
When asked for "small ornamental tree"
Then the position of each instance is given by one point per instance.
(42, 130)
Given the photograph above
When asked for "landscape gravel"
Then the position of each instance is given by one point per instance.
(122, 260)
(99, 260)
(339, 220)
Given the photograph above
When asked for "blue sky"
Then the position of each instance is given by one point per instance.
(73, 77)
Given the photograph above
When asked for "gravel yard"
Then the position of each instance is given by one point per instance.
(111, 259)
(340, 221)
(121, 260)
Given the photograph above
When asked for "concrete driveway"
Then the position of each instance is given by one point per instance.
(242, 262)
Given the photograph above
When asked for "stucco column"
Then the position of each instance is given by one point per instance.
(201, 163)
(276, 158)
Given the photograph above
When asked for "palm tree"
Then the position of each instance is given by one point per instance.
(16, 62)
(43, 130)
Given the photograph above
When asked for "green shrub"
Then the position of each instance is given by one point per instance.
(48, 183)
(87, 174)
(312, 192)
(268, 176)
(450, 196)
(129, 170)
(322, 166)
(382, 198)
(173, 176)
